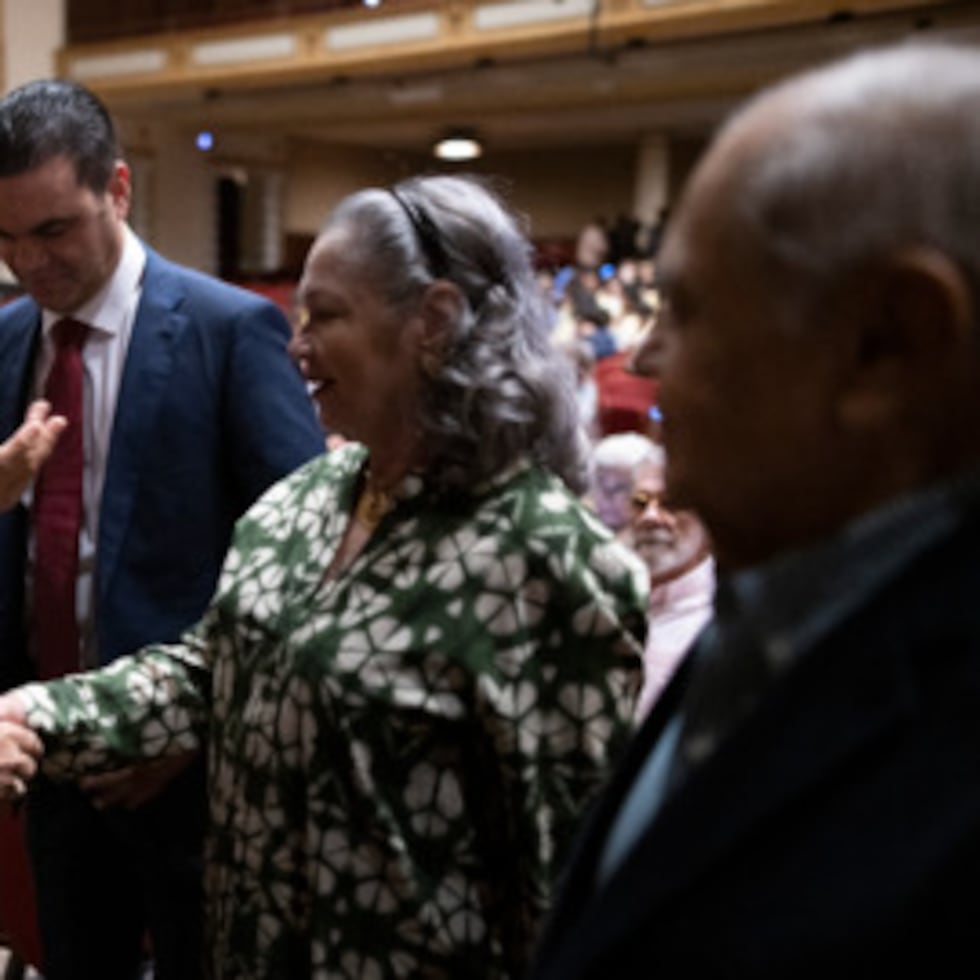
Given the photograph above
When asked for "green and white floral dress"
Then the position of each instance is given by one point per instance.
(397, 757)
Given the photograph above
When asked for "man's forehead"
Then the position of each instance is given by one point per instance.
(613, 473)
(701, 209)
(59, 168)
(731, 158)
(44, 194)
(707, 221)
(50, 184)
(649, 475)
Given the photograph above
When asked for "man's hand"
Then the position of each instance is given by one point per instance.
(135, 785)
(23, 453)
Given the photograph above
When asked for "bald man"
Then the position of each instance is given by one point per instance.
(803, 800)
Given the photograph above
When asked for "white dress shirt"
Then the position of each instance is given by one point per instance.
(110, 315)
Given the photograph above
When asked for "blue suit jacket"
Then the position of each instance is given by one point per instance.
(210, 412)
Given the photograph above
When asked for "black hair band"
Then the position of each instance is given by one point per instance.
(427, 234)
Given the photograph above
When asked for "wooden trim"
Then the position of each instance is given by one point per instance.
(457, 41)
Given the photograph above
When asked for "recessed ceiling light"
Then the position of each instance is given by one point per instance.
(458, 146)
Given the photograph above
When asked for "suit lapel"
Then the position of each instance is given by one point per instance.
(146, 374)
(18, 351)
(836, 705)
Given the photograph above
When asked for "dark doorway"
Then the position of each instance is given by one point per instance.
(230, 196)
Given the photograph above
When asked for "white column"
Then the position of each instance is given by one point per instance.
(262, 221)
(651, 189)
(33, 31)
(185, 208)
(272, 233)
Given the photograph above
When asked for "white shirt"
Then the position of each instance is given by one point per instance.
(678, 609)
(110, 315)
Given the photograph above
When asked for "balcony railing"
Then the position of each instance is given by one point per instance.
(152, 45)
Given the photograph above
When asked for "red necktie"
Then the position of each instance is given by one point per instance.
(58, 511)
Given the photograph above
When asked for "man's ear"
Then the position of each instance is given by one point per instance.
(442, 308)
(914, 325)
(120, 189)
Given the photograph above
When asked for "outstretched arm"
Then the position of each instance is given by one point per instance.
(150, 705)
(22, 455)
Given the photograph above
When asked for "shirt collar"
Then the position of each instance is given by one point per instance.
(413, 483)
(107, 310)
(696, 585)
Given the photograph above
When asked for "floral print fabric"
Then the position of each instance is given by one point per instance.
(398, 756)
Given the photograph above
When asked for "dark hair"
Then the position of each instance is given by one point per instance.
(50, 118)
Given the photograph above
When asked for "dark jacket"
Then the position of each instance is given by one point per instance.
(835, 834)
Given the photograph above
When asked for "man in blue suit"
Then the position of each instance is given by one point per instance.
(803, 801)
(191, 409)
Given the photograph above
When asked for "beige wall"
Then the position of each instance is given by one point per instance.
(183, 225)
(318, 176)
(32, 31)
(559, 191)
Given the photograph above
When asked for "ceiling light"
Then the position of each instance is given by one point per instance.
(458, 146)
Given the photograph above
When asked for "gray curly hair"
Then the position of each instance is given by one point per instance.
(501, 391)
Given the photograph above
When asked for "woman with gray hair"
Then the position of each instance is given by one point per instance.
(423, 650)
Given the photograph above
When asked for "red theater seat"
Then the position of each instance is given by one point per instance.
(624, 399)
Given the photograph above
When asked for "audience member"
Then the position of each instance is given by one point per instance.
(609, 293)
(582, 357)
(802, 801)
(592, 245)
(614, 460)
(423, 650)
(183, 407)
(628, 496)
(646, 283)
(622, 238)
(675, 548)
(634, 319)
(594, 331)
(649, 237)
(581, 293)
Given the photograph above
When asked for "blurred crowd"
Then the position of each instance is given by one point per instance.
(603, 303)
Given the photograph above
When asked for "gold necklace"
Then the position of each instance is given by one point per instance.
(372, 505)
